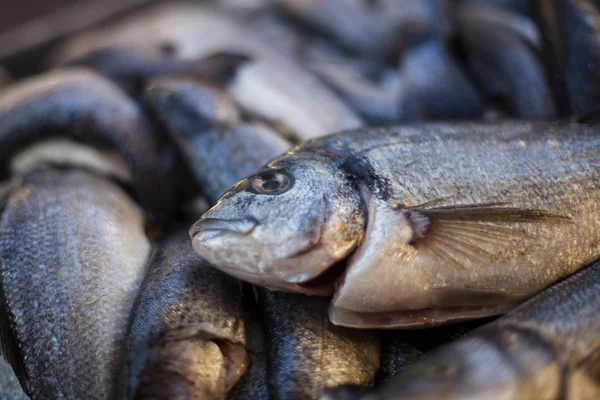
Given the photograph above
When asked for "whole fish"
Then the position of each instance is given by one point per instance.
(548, 348)
(206, 126)
(271, 86)
(374, 27)
(502, 60)
(73, 255)
(416, 225)
(304, 353)
(81, 106)
(187, 334)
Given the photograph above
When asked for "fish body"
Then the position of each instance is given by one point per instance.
(73, 256)
(433, 223)
(186, 336)
(547, 348)
(271, 85)
(81, 106)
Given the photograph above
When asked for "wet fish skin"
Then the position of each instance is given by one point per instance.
(397, 353)
(81, 105)
(272, 86)
(254, 383)
(545, 349)
(206, 126)
(437, 217)
(502, 61)
(73, 255)
(186, 336)
(306, 353)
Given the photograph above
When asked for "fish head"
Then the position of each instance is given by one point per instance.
(282, 226)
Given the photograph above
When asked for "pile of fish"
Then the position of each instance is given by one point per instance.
(352, 171)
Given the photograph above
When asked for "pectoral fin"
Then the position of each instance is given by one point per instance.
(474, 233)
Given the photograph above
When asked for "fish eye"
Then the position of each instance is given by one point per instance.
(272, 182)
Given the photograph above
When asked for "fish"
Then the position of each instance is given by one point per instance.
(576, 31)
(133, 70)
(501, 59)
(207, 128)
(271, 86)
(10, 388)
(254, 383)
(547, 16)
(73, 254)
(547, 348)
(201, 119)
(397, 353)
(81, 107)
(306, 354)
(416, 225)
(428, 74)
(385, 27)
(186, 336)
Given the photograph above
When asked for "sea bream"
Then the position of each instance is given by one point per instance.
(415, 225)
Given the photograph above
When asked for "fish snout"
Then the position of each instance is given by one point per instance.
(208, 228)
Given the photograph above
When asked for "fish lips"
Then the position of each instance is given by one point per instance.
(210, 228)
(206, 230)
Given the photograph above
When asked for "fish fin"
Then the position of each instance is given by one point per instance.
(474, 232)
(9, 348)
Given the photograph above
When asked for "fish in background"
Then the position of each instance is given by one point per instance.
(415, 225)
(501, 50)
(270, 86)
(76, 117)
(73, 254)
(572, 32)
(385, 27)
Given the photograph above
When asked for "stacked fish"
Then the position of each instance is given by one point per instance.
(319, 250)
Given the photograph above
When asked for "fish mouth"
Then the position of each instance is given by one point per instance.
(209, 228)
